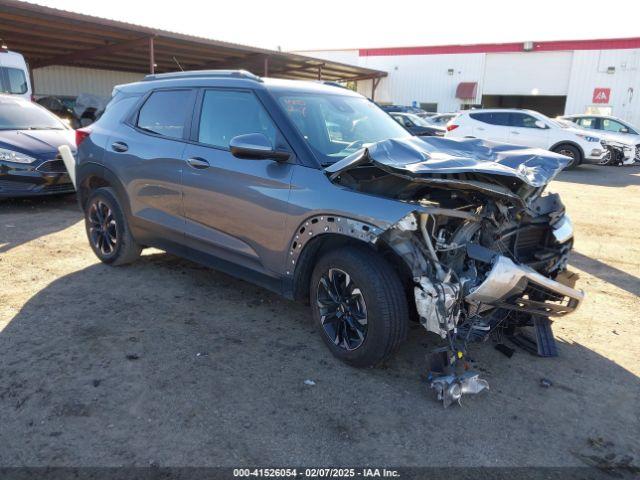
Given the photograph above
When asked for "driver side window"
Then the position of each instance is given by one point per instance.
(612, 125)
(227, 113)
(522, 120)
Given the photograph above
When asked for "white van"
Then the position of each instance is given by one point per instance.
(14, 75)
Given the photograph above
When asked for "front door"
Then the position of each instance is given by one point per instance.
(234, 209)
(523, 131)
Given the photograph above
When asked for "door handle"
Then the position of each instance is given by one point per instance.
(197, 162)
(481, 129)
(119, 147)
(515, 133)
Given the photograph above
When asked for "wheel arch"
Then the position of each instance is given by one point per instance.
(323, 233)
(92, 176)
(571, 143)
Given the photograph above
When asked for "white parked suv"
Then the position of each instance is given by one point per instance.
(611, 126)
(529, 128)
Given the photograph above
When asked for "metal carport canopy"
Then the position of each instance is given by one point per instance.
(49, 36)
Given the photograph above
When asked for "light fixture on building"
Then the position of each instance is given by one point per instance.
(535, 91)
(527, 46)
(3, 45)
(611, 70)
(450, 71)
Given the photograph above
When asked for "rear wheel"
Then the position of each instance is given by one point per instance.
(107, 229)
(572, 152)
(359, 305)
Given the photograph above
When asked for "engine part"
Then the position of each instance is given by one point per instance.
(451, 388)
(436, 304)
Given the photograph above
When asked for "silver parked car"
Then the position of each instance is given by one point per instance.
(611, 126)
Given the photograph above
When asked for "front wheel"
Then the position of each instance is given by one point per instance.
(359, 305)
(107, 229)
(572, 152)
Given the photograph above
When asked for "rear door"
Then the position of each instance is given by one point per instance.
(146, 154)
(234, 208)
(523, 131)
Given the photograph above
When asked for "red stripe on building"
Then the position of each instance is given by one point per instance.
(601, 44)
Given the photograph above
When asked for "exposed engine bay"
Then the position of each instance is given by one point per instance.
(484, 246)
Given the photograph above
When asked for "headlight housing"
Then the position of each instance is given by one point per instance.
(588, 138)
(15, 157)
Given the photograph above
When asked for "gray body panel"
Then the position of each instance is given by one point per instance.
(245, 213)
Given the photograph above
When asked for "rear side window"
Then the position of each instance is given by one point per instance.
(227, 114)
(587, 122)
(492, 118)
(14, 80)
(165, 112)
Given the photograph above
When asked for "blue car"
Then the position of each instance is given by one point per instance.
(29, 141)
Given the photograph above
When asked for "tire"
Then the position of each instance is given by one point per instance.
(608, 158)
(569, 151)
(371, 284)
(107, 229)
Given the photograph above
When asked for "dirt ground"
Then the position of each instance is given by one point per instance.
(168, 363)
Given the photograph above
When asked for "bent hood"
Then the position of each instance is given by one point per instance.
(421, 158)
(37, 142)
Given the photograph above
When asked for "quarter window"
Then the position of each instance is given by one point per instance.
(165, 113)
(227, 114)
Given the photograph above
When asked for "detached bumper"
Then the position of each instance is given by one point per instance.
(518, 287)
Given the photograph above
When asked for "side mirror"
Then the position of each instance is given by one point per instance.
(624, 130)
(540, 124)
(255, 146)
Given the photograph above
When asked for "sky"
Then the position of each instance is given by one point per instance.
(332, 24)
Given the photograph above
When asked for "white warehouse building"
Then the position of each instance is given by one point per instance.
(555, 78)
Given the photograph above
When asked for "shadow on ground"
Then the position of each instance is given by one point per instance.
(168, 363)
(606, 176)
(605, 272)
(62, 211)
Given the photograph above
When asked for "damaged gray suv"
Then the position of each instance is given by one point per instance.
(314, 192)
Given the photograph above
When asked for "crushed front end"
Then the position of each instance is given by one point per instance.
(485, 245)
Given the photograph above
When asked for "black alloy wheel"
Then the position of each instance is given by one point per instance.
(107, 229)
(103, 231)
(343, 312)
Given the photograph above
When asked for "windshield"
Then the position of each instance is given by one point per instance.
(18, 114)
(337, 125)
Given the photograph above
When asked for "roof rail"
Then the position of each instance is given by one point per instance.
(333, 84)
(204, 74)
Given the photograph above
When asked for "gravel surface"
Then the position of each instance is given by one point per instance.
(164, 362)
